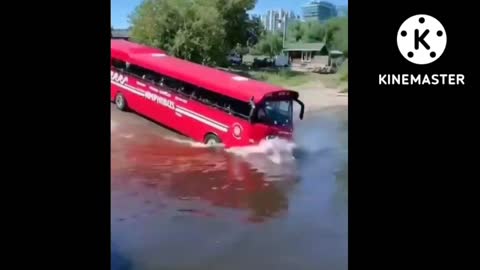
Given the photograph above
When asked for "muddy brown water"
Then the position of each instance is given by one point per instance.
(177, 205)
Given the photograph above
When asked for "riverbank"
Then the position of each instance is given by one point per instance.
(323, 91)
(317, 91)
(319, 99)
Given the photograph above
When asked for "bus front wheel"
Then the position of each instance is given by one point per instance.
(212, 139)
(120, 102)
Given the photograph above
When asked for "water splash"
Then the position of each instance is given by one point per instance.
(187, 142)
(271, 157)
(276, 150)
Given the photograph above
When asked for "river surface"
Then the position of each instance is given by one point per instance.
(179, 205)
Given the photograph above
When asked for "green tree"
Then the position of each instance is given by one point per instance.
(295, 31)
(235, 19)
(337, 34)
(156, 22)
(202, 31)
(270, 44)
(255, 30)
(306, 31)
(314, 32)
(240, 50)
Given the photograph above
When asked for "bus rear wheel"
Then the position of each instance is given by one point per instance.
(212, 139)
(121, 102)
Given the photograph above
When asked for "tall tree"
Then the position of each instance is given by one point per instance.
(306, 32)
(295, 31)
(255, 30)
(236, 19)
(337, 34)
(202, 30)
(270, 44)
(314, 32)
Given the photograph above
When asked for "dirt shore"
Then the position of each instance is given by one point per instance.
(318, 98)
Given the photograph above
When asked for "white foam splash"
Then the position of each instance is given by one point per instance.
(272, 157)
(188, 142)
(276, 150)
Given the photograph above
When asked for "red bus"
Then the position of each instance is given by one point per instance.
(203, 103)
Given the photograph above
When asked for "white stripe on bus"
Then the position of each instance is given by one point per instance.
(130, 89)
(200, 119)
(204, 117)
(164, 93)
(181, 110)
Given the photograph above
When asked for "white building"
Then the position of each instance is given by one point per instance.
(273, 20)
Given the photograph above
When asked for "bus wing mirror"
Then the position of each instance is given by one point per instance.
(252, 109)
(302, 108)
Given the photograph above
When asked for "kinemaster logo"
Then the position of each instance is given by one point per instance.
(421, 40)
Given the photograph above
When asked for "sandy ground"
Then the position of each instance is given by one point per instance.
(319, 97)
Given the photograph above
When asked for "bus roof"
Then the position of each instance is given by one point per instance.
(225, 83)
(126, 49)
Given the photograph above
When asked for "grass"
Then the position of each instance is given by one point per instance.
(248, 58)
(283, 77)
(337, 80)
(288, 78)
(343, 74)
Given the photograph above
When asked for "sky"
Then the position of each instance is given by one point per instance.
(120, 9)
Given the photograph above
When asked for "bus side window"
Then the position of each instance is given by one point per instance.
(138, 71)
(239, 107)
(119, 64)
(161, 80)
(171, 83)
(205, 96)
(151, 77)
(154, 77)
(199, 94)
(216, 99)
(261, 114)
(192, 91)
(187, 89)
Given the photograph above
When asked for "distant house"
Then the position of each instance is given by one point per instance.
(315, 54)
(121, 34)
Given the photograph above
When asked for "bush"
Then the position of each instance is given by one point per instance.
(343, 71)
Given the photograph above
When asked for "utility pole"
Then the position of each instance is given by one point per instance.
(285, 18)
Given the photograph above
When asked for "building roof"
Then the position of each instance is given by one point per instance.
(212, 79)
(300, 46)
(336, 52)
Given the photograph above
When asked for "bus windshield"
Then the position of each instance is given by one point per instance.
(275, 112)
